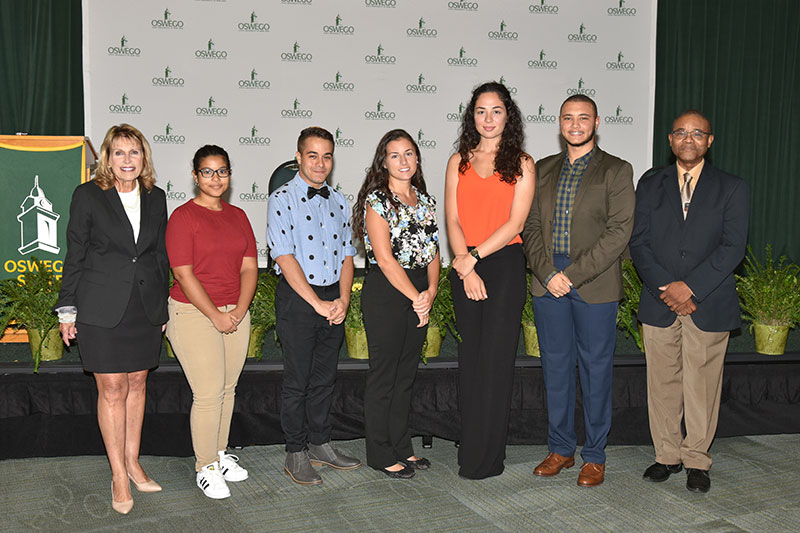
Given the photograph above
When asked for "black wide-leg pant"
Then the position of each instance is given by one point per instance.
(395, 343)
(489, 332)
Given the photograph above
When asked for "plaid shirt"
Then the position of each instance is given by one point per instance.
(568, 183)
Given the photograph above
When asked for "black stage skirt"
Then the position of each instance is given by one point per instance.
(134, 344)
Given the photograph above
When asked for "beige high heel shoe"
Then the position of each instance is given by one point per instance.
(120, 507)
(147, 486)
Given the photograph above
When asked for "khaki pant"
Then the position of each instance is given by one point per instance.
(212, 362)
(684, 381)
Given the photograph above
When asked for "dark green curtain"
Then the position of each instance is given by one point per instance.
(41, 72)
(738, 61)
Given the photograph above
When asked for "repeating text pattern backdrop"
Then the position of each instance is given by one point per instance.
(250, 74)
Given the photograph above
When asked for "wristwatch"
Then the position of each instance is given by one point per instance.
(474, 253)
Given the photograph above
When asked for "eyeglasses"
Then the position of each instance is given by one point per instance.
(209, 172)
(696, 134)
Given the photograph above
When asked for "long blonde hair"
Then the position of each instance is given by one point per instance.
(104, 177)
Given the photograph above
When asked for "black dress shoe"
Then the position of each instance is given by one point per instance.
(419, 464)
(405, 473)
(657, 472)
(697, 480)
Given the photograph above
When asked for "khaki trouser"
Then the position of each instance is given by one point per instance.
(684, 381)
(212, 362)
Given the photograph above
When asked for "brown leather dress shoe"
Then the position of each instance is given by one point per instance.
(592, 474)
(553, 464)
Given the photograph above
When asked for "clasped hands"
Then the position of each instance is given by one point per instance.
(559, 285)
(228, 321)
(422, 306)
(474, 288)
(678, 296)
(333, 310)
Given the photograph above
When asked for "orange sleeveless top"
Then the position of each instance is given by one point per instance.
(483, 205)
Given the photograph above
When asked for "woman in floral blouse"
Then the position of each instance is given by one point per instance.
(396, 218)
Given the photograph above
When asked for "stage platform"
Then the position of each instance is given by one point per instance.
(54, 413)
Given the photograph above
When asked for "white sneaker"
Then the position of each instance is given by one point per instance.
(228, 465)
(211, 482)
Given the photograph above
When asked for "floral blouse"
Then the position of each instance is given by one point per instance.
(413, 232)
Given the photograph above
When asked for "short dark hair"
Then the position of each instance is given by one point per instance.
(313, 131)
(697, 113)
(209, 150)
(579, 98)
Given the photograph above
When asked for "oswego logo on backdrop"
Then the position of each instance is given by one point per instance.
(541, 117)
(254, 139)
(252, 82)
(582, 36)
(125, 107)
(619, 10)
(211, 110)
(253, 195)
(381, 3)
(421, 30)
(619, 64)
(456, 117)
(542, 9)
(341, 141)
(296, 111)
(581, 89)
(462, 6)
(296, 56)
(542, 63)
(463, 60)
(423, 143)
(503, 34)
(338, 28)
(337, 85)
(511, 89)
(380, 113)
(619, 119)
(298, 2)
(172, 194)
(379, 58)
(209, 52)
(420, 87)
(166, 23)
(123, 49)
(169, 136)
(167, 80)
(252, 25)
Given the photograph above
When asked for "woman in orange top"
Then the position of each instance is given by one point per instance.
(489, 188)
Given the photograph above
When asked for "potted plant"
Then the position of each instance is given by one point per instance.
(442, 317)
(262, 312)
(354, 333)
(529, 333)
(769, 294)
(29, 304)
(628, 309)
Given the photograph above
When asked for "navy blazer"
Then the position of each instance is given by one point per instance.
(702, 250)
(103, 261)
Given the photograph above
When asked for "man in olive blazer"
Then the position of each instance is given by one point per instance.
(577, 230)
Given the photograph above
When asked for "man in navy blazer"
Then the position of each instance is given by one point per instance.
(690, 233)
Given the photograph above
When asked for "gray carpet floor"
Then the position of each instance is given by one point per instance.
(754, 488)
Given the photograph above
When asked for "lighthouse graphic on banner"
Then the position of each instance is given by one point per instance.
(38, 223)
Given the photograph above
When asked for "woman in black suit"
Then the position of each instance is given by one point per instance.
(114, 295)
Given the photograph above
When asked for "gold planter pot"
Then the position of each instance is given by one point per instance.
(52, 347)
(356, 339)
(770, 340)
(433, 342)
(531, 340)
(256, 342)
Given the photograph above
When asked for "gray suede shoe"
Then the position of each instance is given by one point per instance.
(325, 454)
(300, 470)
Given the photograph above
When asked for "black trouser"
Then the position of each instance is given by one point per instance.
(489, 332)
(395, 343)
(310, 358)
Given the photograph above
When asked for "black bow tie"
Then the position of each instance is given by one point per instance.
(325, 192)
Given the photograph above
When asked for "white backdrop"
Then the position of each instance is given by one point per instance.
(248, 75)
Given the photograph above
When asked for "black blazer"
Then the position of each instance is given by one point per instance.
(702, 250)
(103, 262)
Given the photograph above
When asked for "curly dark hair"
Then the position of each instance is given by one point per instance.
(507, 160)
(377, 179)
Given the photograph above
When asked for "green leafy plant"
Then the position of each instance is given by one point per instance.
(443, 315)
(28, 304)
(769, 293)
(629, 306)
(262, 308)
(354, 318)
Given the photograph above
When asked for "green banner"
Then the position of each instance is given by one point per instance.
(36, 185)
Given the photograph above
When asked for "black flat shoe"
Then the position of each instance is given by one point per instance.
(697, 480)
(658, 472)
(405, 473)
(419, 464)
